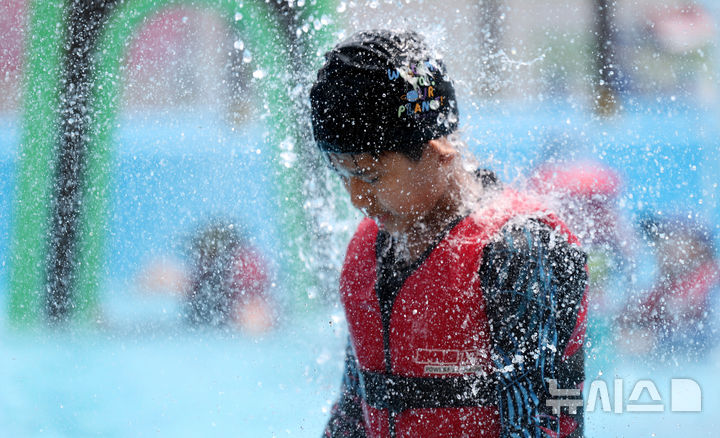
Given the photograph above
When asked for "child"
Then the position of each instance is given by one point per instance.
(229, 280)
(677, 316)
(464, 300)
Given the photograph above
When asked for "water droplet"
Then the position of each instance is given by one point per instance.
(373, 4)
(247, 56)
(323, 357)
(342, 7)
(184, 19)
(239, 45)
(288, 144)
(259, 74)
(238, 16)
(288, 159)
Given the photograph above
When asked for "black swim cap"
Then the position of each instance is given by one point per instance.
(382, 91)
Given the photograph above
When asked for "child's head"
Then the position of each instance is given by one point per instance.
(382, 110)
(381, 91)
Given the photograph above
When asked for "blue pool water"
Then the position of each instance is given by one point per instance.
(163, 380)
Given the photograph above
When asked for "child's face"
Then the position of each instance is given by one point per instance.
(394, 190)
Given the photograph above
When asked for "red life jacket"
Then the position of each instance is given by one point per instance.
(439, 341)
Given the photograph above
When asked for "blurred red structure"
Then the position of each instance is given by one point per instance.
(12, 34)
(683, 28)
(586, 194)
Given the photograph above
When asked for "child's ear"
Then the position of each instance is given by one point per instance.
(445, 150)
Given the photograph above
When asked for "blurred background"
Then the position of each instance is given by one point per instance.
(170, 243)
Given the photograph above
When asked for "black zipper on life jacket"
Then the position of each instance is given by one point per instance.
(391, 276)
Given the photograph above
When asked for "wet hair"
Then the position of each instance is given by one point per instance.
(382, 91)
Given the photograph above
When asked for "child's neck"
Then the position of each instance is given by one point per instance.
(424, 232)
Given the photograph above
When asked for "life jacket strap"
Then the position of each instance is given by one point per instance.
(399, 393)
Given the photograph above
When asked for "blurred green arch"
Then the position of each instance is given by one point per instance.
(42, 90)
